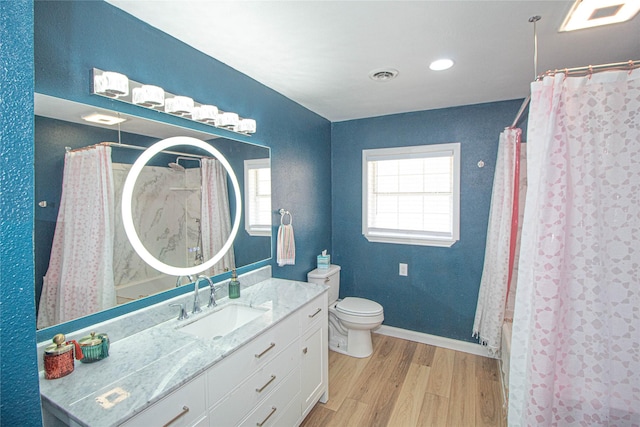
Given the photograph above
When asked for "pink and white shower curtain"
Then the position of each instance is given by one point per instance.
(79, 280)
(576, 331)
(501, 243)
(216, 216)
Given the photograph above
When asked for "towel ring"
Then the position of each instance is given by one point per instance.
(282, 215)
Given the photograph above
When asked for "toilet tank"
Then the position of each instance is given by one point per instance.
(327, 276)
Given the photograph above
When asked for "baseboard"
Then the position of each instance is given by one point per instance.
(466, 347)
(505, 391)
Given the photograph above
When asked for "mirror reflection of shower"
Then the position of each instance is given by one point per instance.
(195, 251)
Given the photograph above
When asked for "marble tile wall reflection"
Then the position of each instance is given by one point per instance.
(165, 206)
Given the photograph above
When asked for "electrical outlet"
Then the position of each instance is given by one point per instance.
(404, 269)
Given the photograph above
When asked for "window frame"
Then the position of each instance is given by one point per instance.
(408, 237)
(251, 229)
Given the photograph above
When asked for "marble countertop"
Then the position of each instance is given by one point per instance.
(147, 365)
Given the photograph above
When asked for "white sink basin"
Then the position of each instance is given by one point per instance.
(222, 321)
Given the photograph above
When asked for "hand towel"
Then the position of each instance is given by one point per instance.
(286, 245)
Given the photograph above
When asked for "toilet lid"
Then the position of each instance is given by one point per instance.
(354, 305)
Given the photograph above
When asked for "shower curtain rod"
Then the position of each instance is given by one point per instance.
(590, 69)
(134, 147)
(587, 70)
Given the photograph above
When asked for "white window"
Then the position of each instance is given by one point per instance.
(257, 197)
(411, 195)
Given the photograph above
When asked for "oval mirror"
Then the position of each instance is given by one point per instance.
(128, 195)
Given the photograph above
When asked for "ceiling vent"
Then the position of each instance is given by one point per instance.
(383, 75)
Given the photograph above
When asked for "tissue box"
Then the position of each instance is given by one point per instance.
(324, 261)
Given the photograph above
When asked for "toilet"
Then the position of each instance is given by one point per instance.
(352, 319)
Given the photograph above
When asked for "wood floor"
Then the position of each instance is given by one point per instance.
(404, 384)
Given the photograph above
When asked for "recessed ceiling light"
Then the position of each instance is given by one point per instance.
(383, 75)
(593, 13)
(103, 119)
(441, 64)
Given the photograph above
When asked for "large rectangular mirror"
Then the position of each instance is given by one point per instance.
(171, 201)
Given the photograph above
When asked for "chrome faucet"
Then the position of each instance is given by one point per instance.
(179, 280)
(196, 300)
(183, 312)
(212, 288)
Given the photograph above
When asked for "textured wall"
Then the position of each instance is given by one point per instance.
(19, 391)
(299, 140)
(67, 39)
(73, 37)
(440, 293)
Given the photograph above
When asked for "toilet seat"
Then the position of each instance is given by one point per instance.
(359, 307)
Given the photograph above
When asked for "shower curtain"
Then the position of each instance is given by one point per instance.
(79, 280)
(576, 331)
(501, 243)
(216, 218)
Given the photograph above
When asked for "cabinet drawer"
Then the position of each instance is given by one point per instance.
(269, 412)
(313, 312)
(186, 407)
(231, 410)
(233, 370)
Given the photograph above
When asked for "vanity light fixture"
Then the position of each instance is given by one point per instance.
(593, 13)
(118, 86)
(148, 96)
(227, 120)
(103, 119)
(180, 105)
(247, 126)
(205, 113)
(441, 64)
(111, 84)
(127, 213)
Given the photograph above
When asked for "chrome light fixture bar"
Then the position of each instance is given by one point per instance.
(118, 86)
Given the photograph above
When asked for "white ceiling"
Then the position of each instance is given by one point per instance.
(320, 53)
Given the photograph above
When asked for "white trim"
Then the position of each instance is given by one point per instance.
(427, 238)
(505, 392)
(254, 230)
(444, 243)
(466, 347)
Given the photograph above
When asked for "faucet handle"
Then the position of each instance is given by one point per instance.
(183, 312)
(212, 296)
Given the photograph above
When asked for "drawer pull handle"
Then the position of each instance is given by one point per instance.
(258, 356)
(314, 314)
(273, 410)
(259, 390)
(185, 409)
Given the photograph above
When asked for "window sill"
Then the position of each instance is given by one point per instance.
(442, 243)
(256, 233)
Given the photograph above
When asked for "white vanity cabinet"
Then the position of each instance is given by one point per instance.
(269, 373)
(240, 382)
(277, 378)
(314, 354)
(185, 407)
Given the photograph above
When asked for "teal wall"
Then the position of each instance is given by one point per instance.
(316, 172)
(61, 42)
(72, 37)
(440, 293)
(19, 390)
